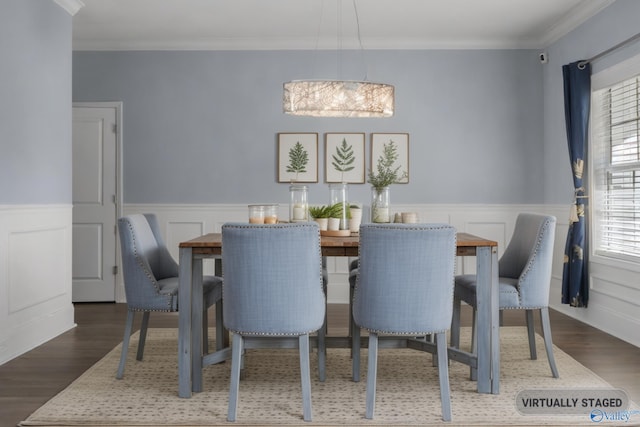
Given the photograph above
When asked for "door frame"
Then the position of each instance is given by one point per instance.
(117, 105)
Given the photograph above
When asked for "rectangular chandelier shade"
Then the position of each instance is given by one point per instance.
(338, 98)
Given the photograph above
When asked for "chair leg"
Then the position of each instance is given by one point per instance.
(322, 352)
(474, 330)
(305, 376)
(322, 332)
(371, 375)
(434, 356)
(351, 322)
(531, 331)
(125, 343)
(455, 323)
(243, 373)
(548, 342)
(473, 372)
(429, 338)
(143, 335)
(355, 352)
(220, 331)
(443, 374)
(236, 356)
(205, 330)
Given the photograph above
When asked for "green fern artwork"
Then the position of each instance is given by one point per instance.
(298, 159)
(343, 159)
(386, 174)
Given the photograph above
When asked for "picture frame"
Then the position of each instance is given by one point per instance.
(344, 163)
(401, 142)
(298, 157)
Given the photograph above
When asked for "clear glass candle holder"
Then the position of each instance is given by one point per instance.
(263, 214)
(298, 203)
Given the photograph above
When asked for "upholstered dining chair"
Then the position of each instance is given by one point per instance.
(404, 286)
(524, 272)
(151, 280)
(273, 294)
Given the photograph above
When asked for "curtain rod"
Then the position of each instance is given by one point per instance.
(632, 39)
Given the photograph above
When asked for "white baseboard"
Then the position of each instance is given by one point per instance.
(604, 318)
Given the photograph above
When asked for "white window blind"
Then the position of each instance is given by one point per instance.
(616, 174)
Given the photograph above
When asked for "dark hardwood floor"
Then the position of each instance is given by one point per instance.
(30, 380)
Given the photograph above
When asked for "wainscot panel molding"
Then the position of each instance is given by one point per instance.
(614, 295)
(610, 309)
(614, 300)
(35, 284)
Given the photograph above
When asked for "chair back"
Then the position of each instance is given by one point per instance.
(272, 279)
(529, 258)
(146, 261)
(405, 278)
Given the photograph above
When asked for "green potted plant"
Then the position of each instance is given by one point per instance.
(319, 211)
(320, 214)
(380, 180)
(338, 212)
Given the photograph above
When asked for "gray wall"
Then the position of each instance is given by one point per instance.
(481, 123)
(35, 101)
(201, 127)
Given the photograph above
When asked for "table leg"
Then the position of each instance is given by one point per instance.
(495, 323)
(197, 306)
(488, 343)
(184, 323)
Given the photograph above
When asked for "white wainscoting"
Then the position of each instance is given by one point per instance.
(614, 299)
(35, 279)
(614, 302)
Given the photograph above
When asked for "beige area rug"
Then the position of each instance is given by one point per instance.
(408, 390)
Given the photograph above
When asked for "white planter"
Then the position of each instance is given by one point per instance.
(322, 223)
(355, 220)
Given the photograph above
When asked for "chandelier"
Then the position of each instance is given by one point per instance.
(338, 98)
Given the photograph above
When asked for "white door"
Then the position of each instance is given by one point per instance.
(94, 201)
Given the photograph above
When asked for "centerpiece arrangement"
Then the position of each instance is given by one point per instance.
(330, 217)
(380, 180)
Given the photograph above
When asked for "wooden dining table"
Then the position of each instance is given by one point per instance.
(191, 358)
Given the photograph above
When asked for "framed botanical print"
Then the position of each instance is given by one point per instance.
(396, 147)
(297, 157)
(344, 157)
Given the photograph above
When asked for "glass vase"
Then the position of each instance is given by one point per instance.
(339, 197)
(380, 204)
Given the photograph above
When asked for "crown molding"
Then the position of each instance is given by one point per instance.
(299, 44)
(71, 6)
(573, 19)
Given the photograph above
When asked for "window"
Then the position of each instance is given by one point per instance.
(616, 169)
